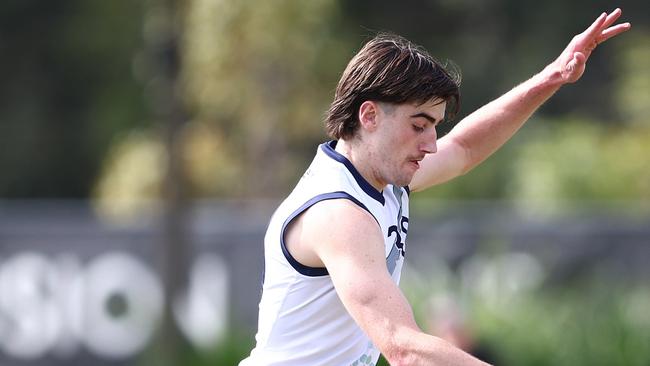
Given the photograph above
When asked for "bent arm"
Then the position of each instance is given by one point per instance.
(484, 131)
(351, 246)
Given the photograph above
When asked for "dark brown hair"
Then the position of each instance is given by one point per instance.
(389, 69)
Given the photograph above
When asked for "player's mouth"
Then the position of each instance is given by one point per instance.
(415, 163)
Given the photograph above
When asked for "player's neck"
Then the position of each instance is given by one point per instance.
(361, 159)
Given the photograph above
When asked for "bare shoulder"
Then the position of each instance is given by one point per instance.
(342, 213)
(330, 228)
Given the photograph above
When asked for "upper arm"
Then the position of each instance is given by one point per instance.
(350, 244)
(447, 163)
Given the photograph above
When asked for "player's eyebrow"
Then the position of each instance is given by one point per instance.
(425, 115)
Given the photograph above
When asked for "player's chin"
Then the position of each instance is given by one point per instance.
(404, 179)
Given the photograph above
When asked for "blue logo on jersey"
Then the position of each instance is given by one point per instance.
(398, 249)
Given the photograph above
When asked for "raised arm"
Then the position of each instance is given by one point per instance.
(483, 132)
(348, 241)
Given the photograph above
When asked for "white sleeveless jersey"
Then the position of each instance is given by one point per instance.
(302, 321)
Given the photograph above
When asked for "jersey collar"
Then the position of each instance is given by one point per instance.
(328, 148)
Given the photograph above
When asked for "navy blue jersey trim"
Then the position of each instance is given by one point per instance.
(408, 190)
(301, 268)
(328, 148)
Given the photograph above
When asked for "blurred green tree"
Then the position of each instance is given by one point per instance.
(68, 91)
(257, 78)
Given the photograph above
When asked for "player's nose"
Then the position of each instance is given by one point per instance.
(430, 144)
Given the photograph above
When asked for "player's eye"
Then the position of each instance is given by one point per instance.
(418, 129)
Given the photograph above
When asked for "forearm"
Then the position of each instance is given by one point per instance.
(389, 322)
(352, 249)
(418, 348)
(483, 132)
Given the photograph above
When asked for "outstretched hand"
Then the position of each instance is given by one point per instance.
(574, 57)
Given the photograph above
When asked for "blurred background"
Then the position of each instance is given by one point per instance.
(145, 144)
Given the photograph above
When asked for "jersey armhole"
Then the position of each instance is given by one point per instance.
(301, 268)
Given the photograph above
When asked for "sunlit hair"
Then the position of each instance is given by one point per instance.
(390, 69)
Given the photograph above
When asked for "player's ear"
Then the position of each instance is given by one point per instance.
(368, 115)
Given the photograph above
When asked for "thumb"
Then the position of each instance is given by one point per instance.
(576, 62)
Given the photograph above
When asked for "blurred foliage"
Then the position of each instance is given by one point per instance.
(580, 160)
(257, 77)
(505, 311)
(228, 352)
(597, 325)
(134, 176)
(260, 75)
(633, 86)
(553, 163)
(67, 92)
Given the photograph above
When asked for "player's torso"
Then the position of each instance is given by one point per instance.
(302, 320)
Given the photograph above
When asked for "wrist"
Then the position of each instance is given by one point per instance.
(551, 76)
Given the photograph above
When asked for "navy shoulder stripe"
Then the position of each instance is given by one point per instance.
(301, 268)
